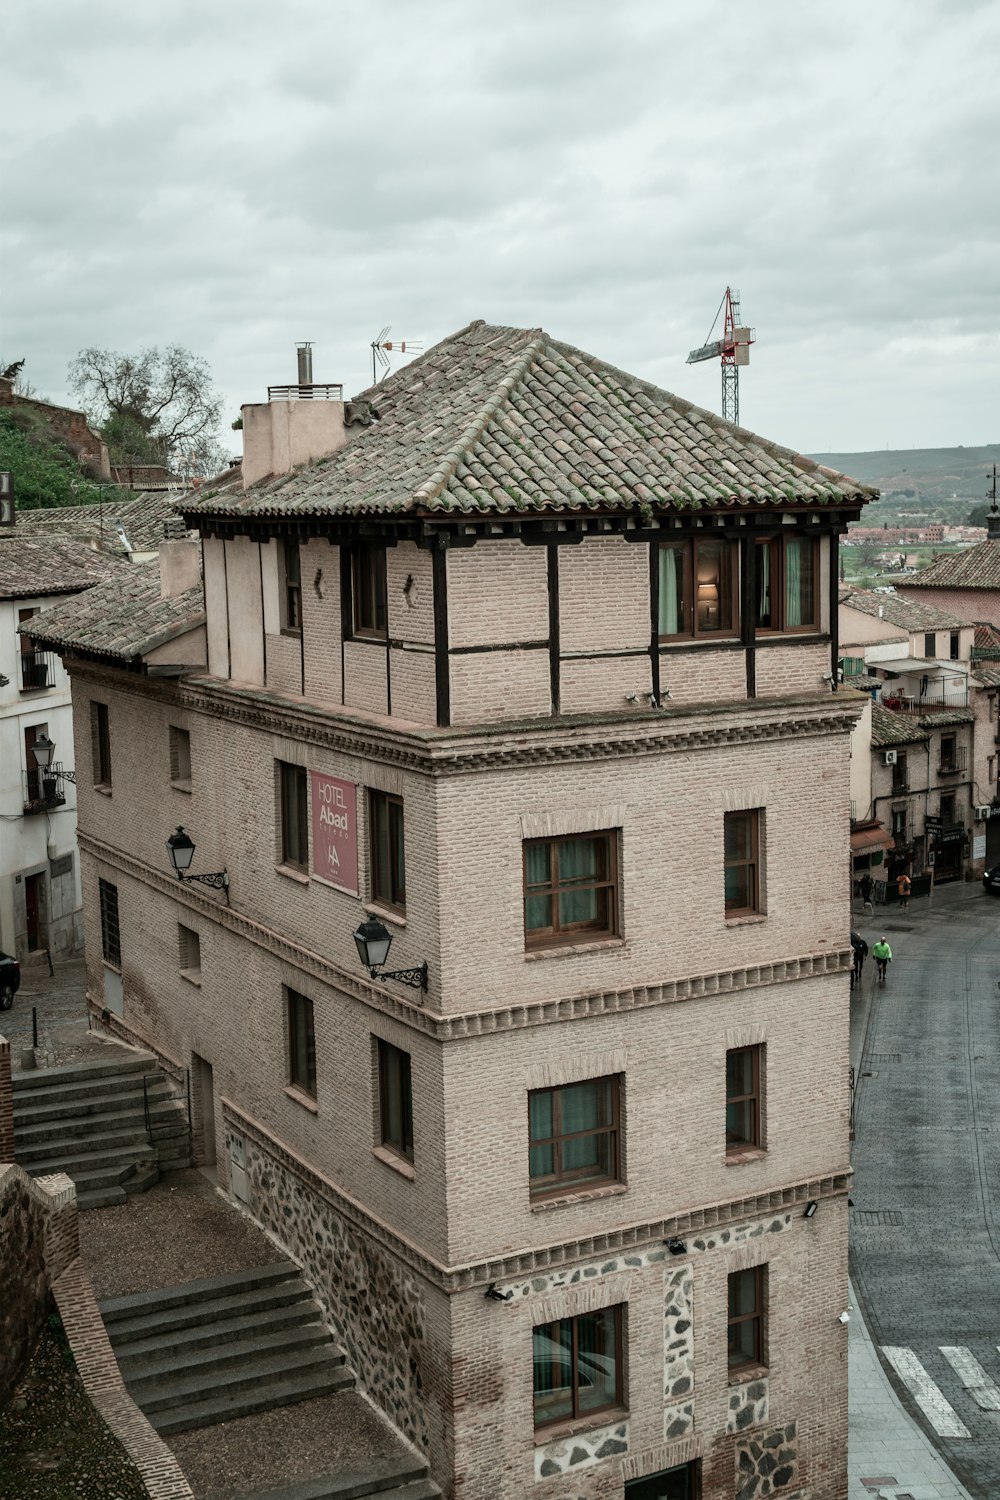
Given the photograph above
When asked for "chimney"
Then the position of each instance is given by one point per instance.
(298, 424)
(180, 566)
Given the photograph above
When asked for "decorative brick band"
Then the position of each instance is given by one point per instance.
(470, 1023)
(433, 752)
(521, 1263)
(162, 1476)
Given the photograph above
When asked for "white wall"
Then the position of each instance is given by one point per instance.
(27, 843)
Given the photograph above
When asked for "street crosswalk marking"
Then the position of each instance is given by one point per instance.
(970, 1372)
(939, 1412)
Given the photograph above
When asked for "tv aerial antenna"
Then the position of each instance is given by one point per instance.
(383, 346)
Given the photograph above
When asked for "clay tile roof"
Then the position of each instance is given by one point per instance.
(974, 568)
(32, 567)
(987, 674)
(889, 728)
(142, 519)
(897, 609)
(987, 636)
(123, 619)
(508, 421)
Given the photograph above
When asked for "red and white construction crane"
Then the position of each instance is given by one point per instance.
(733, 349)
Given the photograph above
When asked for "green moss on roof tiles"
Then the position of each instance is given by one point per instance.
(520, 409)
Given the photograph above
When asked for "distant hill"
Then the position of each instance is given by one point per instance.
(940, 483)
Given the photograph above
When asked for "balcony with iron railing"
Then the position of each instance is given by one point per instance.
(954, 762)
(909, 703)
(43, 790)
(38, 670)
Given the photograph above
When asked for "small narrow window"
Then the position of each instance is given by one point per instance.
(180, 758)
(930, 645)
(388, 864)
(899, 782)
(111, 945)
(395, 1100)
(100, 743)
(301, 1043)
(291, 603)
(746, 1321)
(570, 888)
(742, 862)
(189, 953)
(577, 1366)
(33, 776)
(953, 645)
(368, 572)
(574, 1136)
(294, 815)
(743, 1100)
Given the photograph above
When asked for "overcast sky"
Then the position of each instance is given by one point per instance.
(236, 177)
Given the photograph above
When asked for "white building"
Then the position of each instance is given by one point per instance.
(40, 898)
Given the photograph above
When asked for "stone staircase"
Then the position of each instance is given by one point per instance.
(213, 1350)
(90, 1121)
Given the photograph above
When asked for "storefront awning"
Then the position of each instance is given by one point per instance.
(868, 839)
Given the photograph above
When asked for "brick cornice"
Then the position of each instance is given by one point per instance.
(519, 1263)
(501, 746)
(456, 1027)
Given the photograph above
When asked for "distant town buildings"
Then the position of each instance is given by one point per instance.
(530, 670)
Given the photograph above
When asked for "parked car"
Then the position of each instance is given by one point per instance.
(10, 980)
(991, 881)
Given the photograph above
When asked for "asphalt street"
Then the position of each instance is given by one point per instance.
(925, 1226)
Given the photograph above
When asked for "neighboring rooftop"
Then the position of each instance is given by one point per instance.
(125, 619)
(509, 421)
(896, 609)
(142, 519)
(35, 567)
(976, 568)
(889, 728)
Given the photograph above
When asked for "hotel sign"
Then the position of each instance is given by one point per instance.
(335, 831)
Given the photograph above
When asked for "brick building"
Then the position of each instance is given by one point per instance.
(533, 665)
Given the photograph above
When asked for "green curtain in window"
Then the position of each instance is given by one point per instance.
(586, 1106)
(537, 909)
(578, 861)
(671, 590)
(794, 558)
(542, 1158)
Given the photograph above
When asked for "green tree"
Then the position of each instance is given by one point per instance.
(157, 406)
(45, 471)
(978, 515)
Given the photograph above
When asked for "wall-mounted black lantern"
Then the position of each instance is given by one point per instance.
(43, 750)
(374, 940)
(181, 847)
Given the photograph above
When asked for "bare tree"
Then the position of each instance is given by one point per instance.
(150, 406)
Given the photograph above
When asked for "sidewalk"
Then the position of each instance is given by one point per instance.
(883, 1440)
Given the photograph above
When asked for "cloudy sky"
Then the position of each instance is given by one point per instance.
(236, 177)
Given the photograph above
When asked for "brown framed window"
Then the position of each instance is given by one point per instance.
(294, 804)
(570, 888)
(746, 1320)
(301, 1043)
(575, 1136)
(899, 824)
(744, 1126)
(111, 943)
(930, 645)
(395, 1099)
(100, 744)
(698, 590)
(899, 782)
(787, 584)
(291, 599)
(369, 588)
(577, 1366)
(742, 861)
(388, 863)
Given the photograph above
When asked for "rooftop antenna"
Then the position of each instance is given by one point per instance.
(733, 349)
(382, 347)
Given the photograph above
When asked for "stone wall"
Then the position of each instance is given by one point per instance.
(70, 425)
(375, 1305)
(24, 1305)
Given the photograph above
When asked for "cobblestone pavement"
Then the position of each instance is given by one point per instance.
(60, 1003)
(925, 1226)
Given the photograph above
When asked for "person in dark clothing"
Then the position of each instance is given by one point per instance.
(867, 886)
(860, 954)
